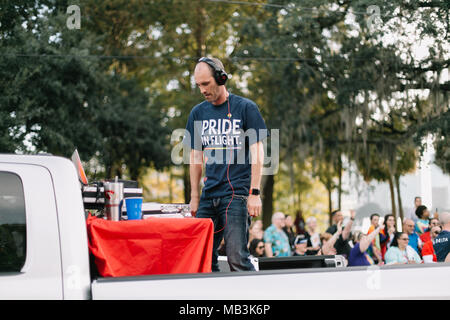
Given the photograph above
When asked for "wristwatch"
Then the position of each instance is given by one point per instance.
(254, 192)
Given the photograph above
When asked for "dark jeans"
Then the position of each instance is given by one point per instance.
(233, 225)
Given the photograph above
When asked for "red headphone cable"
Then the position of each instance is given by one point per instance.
(228, 173)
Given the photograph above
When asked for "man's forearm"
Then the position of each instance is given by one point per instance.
(330, 243)
(268, 249)
(447, 258)
(347, 229)
(195, 171)
(195, 174)
(257, 162)
(365, 243)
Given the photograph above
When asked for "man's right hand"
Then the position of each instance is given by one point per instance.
(195, 200)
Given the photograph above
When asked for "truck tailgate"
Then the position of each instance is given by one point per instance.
(386, 282)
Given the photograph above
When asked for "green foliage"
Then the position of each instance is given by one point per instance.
(442, 159)
(58, 97)
(329, 82)
(332, 82)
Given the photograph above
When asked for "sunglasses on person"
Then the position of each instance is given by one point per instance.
(260, 247)
(436, 233)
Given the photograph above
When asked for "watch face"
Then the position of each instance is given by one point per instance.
(255, 192)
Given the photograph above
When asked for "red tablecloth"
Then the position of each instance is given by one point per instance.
(151, 246)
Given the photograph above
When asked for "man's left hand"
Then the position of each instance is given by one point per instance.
(254, 205)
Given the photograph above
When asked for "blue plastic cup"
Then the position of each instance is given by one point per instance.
(134, 208)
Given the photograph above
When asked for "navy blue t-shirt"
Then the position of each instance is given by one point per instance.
(225, 137)
(441, 245)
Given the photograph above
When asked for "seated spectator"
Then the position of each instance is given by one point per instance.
(428, 254)
(400, 252)
(342, 245)
(414, 240)
(300, 244)
(374, 250)
(441, 244)
(388, 233)
(425, 237)
(256, 248)
(313, 236)
(275, 239)
(255, 231)
(423, 221)
(359, 254)
(289, 230)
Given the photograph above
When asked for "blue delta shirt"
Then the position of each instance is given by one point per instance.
(225, 138)
(441, 245)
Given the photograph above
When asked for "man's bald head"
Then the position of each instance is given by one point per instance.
(216, 61)
(408, 226)
(278, 219)
(444, 218)
(204, 79)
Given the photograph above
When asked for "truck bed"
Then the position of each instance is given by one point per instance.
(429, 281)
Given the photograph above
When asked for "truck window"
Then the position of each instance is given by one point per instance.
(12, 223)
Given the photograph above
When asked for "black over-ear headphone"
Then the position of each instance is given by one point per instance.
(218, 73)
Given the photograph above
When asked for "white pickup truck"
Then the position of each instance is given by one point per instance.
(44, 255)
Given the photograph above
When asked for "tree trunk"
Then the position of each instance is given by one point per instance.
(340, 183)
(299, 201)
(391, 188)
(170, 185)
(399, 198)
(198, 30)
(292, 180)
(187, 184)
(267, 201)
(330, 205)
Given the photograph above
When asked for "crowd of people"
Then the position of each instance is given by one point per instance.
(421, 239)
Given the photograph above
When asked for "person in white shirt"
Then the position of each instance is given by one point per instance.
(312, 235)
(412, 213)
(400, 252)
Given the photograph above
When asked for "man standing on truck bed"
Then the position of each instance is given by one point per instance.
(226, 131)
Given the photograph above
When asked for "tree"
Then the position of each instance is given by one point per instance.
(50, 88)
(356, 68)
(58, 97)
(131, 130)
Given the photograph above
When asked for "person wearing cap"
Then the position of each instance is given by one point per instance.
(300, 244)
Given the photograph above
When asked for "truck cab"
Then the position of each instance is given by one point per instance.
(42, 222)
